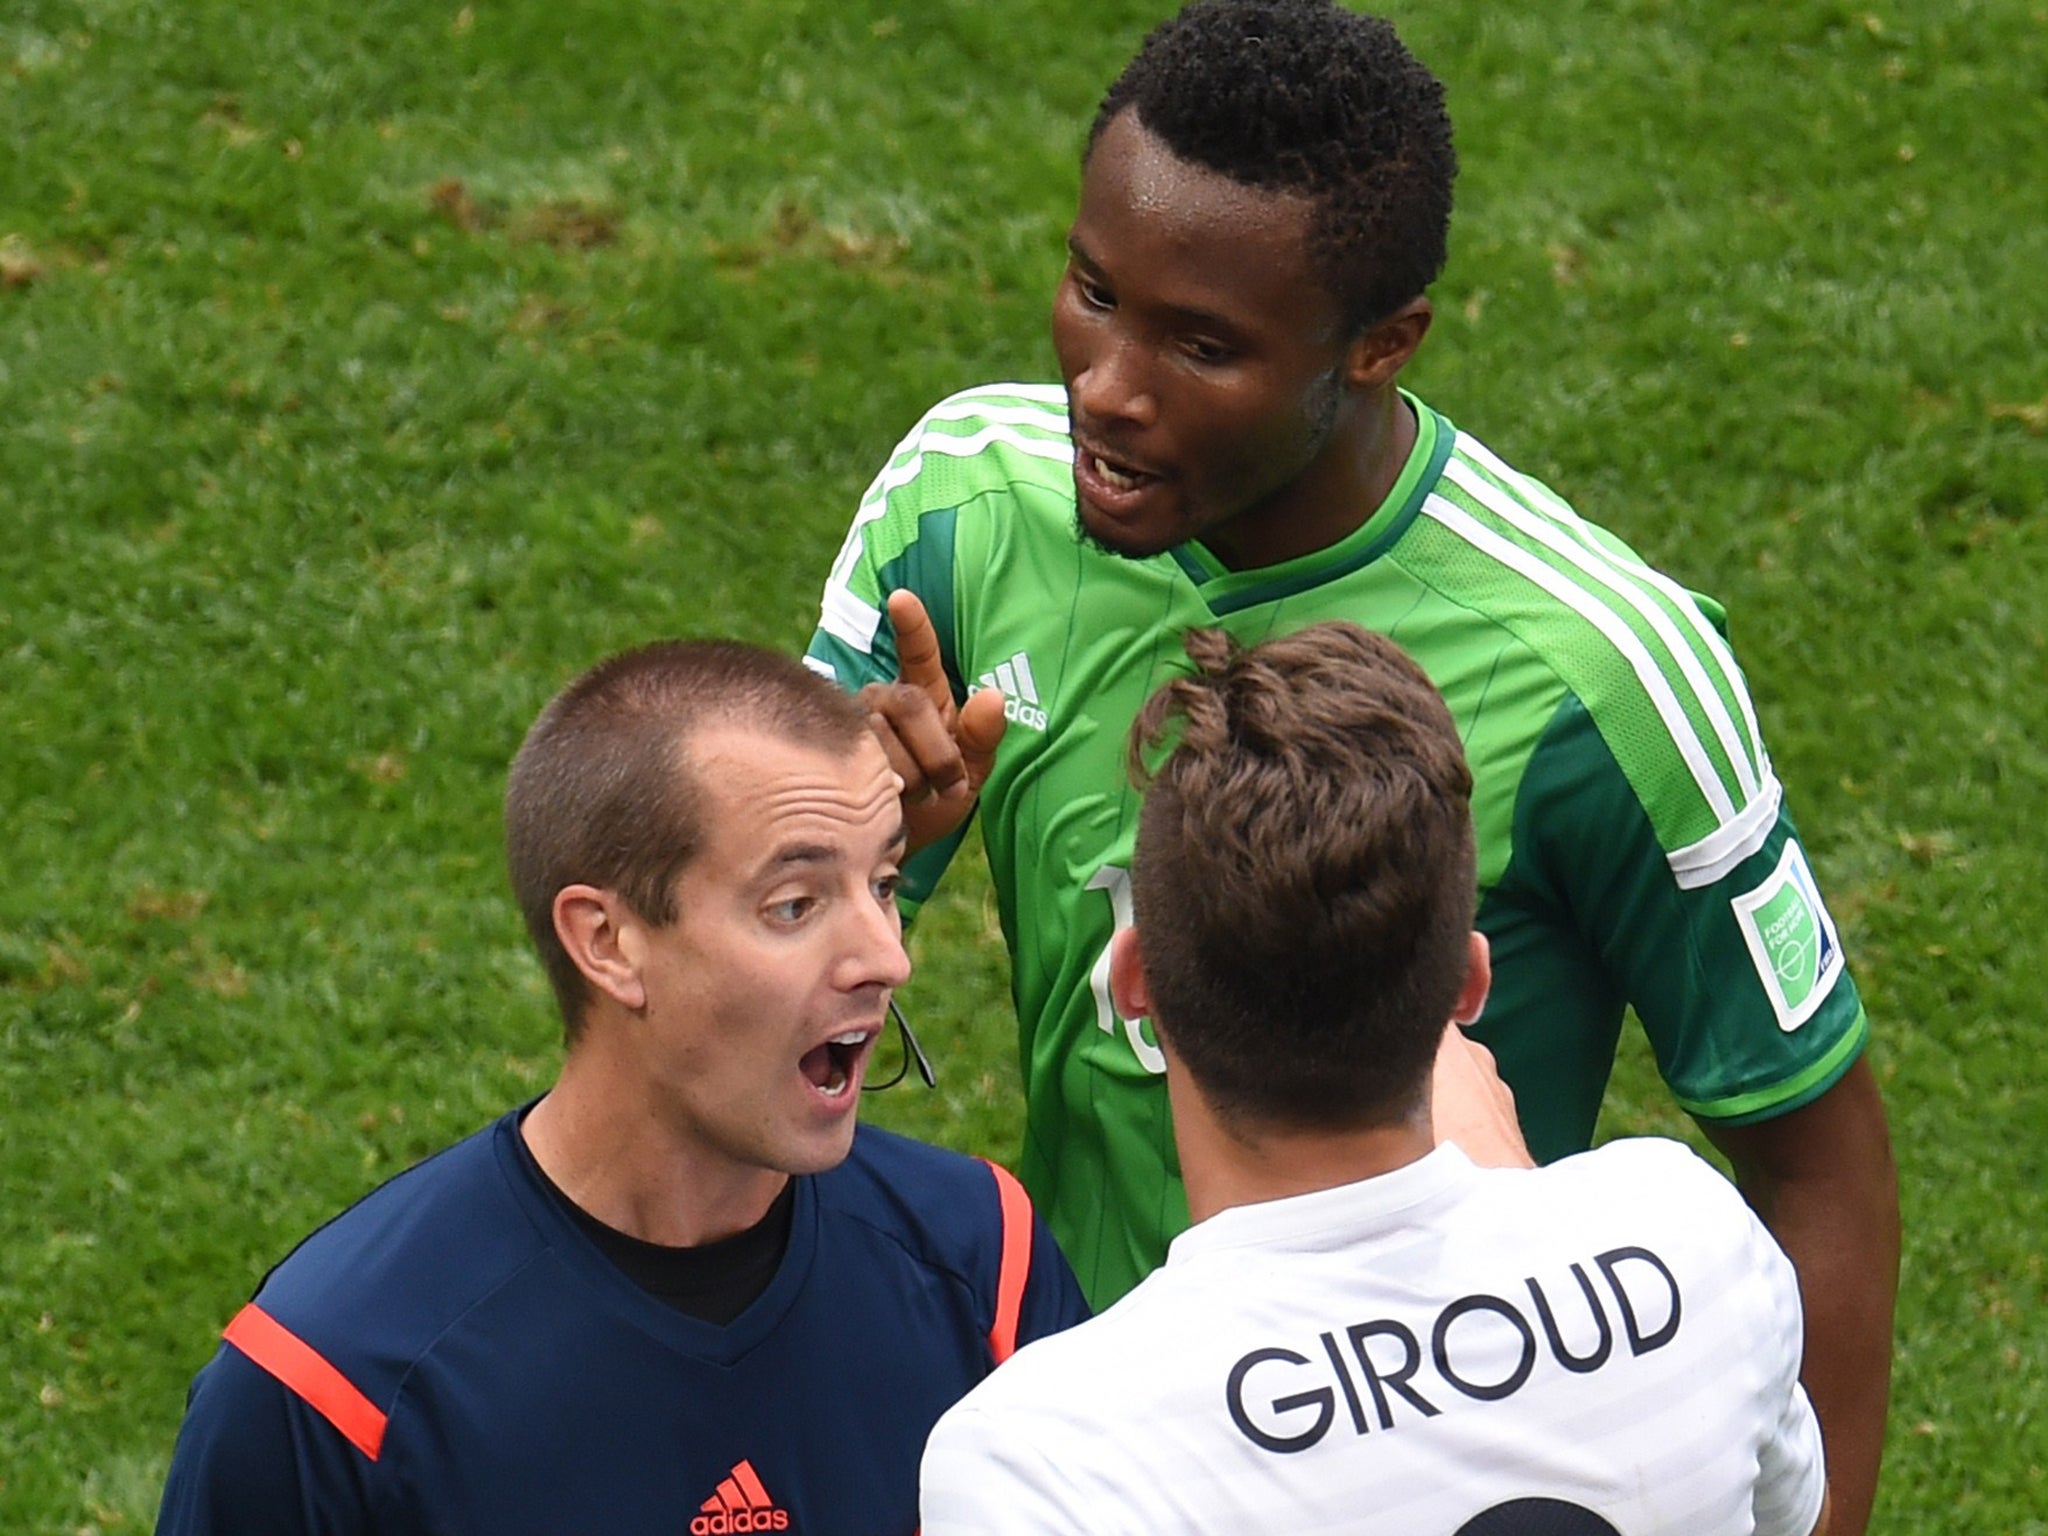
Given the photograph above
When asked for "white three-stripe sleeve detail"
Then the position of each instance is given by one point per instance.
(845, 617)
(1605, 570)
(1568, 521)
(1059, 449)
(1704, 862)
(1604, 619)
(848, 617)
(985, 403)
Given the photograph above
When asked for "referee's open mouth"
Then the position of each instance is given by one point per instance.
(834, 1068)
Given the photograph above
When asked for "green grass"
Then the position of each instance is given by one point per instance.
(368, 370)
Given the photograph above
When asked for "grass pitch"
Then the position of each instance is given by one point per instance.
(368, 370)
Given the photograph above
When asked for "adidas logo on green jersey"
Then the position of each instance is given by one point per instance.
(1019, 690)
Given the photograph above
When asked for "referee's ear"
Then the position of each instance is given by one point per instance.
(1128, 989)
(607, 939)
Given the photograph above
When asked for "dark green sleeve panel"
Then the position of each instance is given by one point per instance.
(1587, 916)
(926, 568)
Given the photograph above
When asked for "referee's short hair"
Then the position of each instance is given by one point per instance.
(602, 791)
(1304, 875)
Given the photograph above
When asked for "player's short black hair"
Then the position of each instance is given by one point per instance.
(1304, 96)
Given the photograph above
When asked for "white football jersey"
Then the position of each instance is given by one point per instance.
(1610, 1344)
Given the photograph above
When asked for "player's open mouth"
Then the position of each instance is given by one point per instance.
(832, 1067)
(1118, 477)
(1112, 483)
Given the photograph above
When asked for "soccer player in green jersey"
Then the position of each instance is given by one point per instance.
(1264, 201)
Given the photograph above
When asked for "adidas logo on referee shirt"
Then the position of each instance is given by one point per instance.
(740, 1505)
(1020, 691)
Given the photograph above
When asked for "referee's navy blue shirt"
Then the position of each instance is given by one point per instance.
(452, 1354)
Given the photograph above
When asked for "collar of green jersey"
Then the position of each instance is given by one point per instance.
(1226, 591)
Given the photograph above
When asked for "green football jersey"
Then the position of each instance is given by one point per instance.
(1633, 845)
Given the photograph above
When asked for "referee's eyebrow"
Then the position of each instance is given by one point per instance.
(805, 853)
(833, 853)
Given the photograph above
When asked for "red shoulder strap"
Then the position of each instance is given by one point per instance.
(1015, 1265)
(305, 1372)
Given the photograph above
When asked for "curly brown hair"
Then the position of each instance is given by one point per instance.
(1304, 875)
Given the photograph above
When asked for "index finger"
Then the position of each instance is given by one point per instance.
(917, 648)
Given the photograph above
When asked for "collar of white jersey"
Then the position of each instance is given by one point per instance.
(1328, 1219)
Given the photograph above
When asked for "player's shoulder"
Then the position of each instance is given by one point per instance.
(1649, 1176)
(1645, 661)
(1659, 1157)
(410, 1255)
(1636, 1204)
(1515, 548)
(1657, 1198)
(981, 441)
(1513, 501)
(1032, 405)
(988, 419)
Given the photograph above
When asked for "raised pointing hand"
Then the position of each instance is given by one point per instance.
(942, 753)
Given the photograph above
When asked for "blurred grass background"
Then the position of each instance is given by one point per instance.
(366, 371)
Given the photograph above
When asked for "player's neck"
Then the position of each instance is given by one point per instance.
(602, 1140)
(1228, 1164)
(1334, 497)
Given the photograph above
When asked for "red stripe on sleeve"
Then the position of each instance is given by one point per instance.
(1015, 1267)
(305, 1372)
